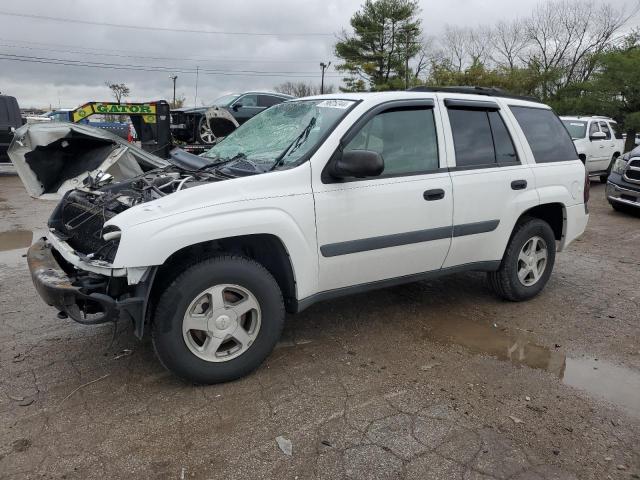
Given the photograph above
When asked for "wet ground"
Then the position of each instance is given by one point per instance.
(435, 380)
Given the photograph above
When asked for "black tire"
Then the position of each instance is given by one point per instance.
(168, 341)
(505, 281)
(199, 138)
(605, 176)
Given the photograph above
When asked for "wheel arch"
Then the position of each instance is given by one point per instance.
(266, 249)
(553, 213)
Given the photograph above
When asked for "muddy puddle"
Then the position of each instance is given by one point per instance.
(618, 385)
(13, 245)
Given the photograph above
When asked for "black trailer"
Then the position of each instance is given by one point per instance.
(10, 119)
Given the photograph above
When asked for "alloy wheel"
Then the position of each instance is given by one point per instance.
(532, 261)
(221, 323)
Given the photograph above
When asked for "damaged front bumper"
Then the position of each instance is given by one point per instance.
(86, 297)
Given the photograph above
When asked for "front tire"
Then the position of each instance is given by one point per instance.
(527, 262)
(218, 320)
(204, 134)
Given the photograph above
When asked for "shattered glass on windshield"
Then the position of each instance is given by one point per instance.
(280, 136)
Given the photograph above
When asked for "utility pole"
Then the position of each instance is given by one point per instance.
(406, 63)
(174, 78)
(195, 98)
(323, 66)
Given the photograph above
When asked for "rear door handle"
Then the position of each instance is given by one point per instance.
(435, 194)
(518, 185)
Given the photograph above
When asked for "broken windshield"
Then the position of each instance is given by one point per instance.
(282, 134)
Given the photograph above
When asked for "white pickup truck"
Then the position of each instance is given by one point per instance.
(598, 141)
(312, 199)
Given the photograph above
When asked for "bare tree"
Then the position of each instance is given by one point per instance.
(119, 90)
(179, 102)
(463, 46)
(508, 41)
(302, 89)
(565, 34)
(454, 44)
(426, 56)
(478, 46)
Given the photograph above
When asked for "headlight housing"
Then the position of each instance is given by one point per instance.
(619, 165)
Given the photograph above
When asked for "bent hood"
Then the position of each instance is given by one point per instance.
(54, 157)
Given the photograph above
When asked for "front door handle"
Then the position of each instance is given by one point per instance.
(435, 194)
(518, 185)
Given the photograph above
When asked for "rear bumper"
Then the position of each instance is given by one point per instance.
(575, 225)
(76, 297)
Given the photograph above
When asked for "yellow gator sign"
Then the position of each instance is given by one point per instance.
(147, 110)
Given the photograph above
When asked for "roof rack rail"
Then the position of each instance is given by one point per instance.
(488, 91)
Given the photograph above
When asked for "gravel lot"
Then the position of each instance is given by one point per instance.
(435, 379)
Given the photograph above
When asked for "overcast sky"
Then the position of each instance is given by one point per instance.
(270, 58)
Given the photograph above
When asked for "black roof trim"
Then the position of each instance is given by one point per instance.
(488, 91)
(470, 104)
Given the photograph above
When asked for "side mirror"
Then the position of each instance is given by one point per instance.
(236, 106)
(598, 136)
(359, 164)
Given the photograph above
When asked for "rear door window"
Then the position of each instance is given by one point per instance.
(480, 138)
(614, 130)
(545, 133)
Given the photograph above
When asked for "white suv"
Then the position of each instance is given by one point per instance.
(312, 199)
(598, 141)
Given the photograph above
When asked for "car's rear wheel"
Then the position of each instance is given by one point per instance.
(204, 134)
(527, 263)
(218, 320)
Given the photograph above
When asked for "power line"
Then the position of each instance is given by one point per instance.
(154, 68)
(66, 48)
(164, 29)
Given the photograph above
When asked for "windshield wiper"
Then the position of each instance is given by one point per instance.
(225, 161)
(297, 143)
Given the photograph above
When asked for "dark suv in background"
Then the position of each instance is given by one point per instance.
(207, 125)
(623, 184)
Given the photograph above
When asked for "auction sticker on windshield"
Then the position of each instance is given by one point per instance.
(343, 104)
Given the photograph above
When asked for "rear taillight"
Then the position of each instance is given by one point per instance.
(587, 185)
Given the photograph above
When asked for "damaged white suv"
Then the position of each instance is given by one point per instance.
(312, 199)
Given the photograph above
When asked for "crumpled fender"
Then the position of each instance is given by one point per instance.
(220, 121)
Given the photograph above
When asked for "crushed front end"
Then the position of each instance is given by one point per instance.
(73, 266)
(87, 297)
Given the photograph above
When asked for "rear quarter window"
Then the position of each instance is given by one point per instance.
(546, 134)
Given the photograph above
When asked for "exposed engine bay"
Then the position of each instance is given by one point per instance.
(80, 217)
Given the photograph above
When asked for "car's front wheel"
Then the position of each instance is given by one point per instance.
(218, 320)
(527, 262)
(204, 134)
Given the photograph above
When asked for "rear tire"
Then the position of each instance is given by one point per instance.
(527, 262)
(218, 320)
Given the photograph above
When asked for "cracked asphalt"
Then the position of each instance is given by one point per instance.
(435, 379)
